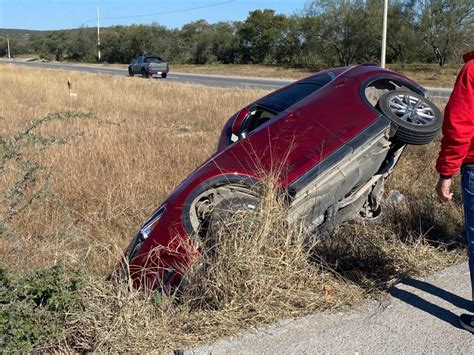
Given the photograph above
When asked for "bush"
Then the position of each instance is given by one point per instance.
(33, 307)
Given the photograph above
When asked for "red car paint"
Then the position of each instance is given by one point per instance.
(294, 141)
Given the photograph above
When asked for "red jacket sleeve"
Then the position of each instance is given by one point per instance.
(458, 125)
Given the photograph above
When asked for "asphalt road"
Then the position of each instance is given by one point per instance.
(206, 80)
(420, 317)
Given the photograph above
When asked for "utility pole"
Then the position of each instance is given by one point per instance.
(384, 33)
(98, 36)
(8, 46)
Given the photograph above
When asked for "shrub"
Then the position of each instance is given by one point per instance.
(33, 307)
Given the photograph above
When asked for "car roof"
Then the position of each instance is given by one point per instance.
(282, 99)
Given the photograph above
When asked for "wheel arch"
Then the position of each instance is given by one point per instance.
(384, 81)
(232, 183)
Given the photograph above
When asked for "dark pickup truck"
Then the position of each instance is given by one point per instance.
(148, 66)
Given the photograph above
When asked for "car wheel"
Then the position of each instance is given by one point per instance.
(417, 120)
(144, 73)
(229, 213)
(164, 75)
(130, 72)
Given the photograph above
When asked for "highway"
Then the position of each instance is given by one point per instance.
(206, 80)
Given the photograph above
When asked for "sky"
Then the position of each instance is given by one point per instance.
(64, 14)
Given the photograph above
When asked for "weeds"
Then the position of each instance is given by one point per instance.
(110, 180)
(258, 264)
(29, 179)
(33, 308)
(255, 273)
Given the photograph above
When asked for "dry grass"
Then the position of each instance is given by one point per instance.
(259, 273)
(430, 75)
(152, 135)
(256, 70)
(144, 137)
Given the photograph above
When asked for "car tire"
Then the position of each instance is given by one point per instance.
(144, 73)
(164, 75)
(416, 119)
(223, 218)
(130, 72)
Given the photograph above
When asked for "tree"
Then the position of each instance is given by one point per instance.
(3, 47)
(112, 45)
(402, 39)
(196, 42)
(225, 42)
(80, 45)
(260, 36)
(161, 40)
(444, 25)
(341, 24)
(51, 45)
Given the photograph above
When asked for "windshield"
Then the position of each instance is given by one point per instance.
(152, 60)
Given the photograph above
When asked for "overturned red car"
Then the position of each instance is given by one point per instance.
(334, 136)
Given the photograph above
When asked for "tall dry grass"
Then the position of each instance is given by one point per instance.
(141, 139)
(148, 135)
(260, 272)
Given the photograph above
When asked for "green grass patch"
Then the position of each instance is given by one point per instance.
(33, 307)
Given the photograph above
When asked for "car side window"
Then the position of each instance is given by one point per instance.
(257, 117)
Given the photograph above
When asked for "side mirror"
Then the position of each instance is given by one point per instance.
(236, 130)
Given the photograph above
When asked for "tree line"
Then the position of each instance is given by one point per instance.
(325, 32)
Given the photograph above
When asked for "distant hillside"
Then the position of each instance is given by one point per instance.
(19, 34)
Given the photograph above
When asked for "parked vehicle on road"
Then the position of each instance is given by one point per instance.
(148, 66)
(337, 136)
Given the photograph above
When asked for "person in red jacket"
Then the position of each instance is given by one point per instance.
(457, 152)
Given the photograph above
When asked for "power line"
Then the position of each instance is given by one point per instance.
(163, 13)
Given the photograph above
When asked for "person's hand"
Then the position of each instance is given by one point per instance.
(443, 188)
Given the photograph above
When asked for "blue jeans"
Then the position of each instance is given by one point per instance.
(467, 184)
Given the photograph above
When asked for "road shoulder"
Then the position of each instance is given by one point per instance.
(419, 316)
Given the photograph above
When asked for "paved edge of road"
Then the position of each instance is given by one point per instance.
(418, 316)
